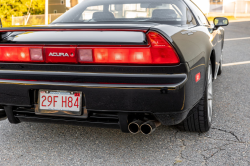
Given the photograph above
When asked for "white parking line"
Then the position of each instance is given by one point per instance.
(244, 38)
(237, 63)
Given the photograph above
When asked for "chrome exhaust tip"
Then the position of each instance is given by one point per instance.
(149, 127)
(134, 127)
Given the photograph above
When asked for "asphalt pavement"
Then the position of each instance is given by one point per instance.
(227, 143)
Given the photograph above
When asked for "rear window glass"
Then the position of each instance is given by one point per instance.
(110, 11)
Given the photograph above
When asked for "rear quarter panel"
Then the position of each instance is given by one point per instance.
(195, 45)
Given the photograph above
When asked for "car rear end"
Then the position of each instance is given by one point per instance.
(100, 83)
(100, 71)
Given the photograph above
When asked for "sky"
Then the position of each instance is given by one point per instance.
(203, 5)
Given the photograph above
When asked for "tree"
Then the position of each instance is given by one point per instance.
(20, 8)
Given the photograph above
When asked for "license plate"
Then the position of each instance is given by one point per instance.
(59, 102)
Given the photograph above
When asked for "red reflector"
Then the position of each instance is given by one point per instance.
(85, 55)
(36, 54)
(197, 77)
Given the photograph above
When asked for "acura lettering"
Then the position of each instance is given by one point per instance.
(59, 54)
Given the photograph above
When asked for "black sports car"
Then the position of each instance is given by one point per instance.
(133, 65)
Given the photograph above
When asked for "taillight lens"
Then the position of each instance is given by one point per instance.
(122, 55)
(85, 55)
(36, 54)
(14, 54)
(162, 52)
(142, 56)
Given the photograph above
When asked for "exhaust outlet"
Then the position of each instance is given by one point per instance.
(134, 127)
(149, 127)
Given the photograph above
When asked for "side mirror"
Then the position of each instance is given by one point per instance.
(220, 21)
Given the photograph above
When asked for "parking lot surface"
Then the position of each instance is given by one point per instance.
(227, 143)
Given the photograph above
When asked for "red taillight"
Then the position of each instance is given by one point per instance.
(141, 56)
(162, 52)
(157, 52)
(122, 55)
(14, 54)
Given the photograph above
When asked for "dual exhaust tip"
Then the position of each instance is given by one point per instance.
(146, 128)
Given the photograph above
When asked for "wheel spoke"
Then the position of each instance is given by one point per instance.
(209, 94)
(210, 106)
(210, 77)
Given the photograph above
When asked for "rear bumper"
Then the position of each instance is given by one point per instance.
(166, 97)
(164, 101)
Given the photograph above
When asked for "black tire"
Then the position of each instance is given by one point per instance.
(220, 69)
(199, 119)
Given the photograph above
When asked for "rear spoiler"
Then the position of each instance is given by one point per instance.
(74, 35)
(5, 32)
